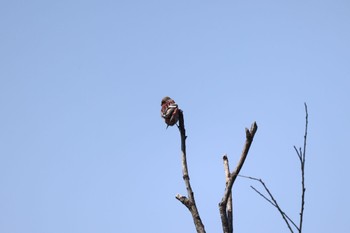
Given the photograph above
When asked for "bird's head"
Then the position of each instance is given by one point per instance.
(164, 100)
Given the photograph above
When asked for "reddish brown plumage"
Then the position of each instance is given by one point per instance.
(169, 111)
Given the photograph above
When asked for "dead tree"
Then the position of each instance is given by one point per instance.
(225, 206)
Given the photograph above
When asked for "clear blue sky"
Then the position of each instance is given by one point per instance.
(83, 148)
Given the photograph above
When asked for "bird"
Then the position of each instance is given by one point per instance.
(169, 111)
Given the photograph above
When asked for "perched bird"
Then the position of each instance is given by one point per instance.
(169, 111)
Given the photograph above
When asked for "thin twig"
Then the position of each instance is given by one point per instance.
(302, 163)
(273, 202)
(266, 198)
(301, 155)
(263, 196)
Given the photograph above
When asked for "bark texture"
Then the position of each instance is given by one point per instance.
(188, 201)
(224, 208)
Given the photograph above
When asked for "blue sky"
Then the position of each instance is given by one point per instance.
(83, 147)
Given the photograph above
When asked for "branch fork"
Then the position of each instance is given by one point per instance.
(272, 200)
(188, 201)
(225, 206)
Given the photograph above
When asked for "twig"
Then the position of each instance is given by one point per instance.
(273, 202)
(301, 155)
(223, 204)
(302, 166)
(188, 201)
(266, 198)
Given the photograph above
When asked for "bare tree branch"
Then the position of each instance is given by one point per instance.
(223, 204)
(298, 153)
(273, 202)
(229, 201)
(263, 196)
(302, 166)
(301, 155)
(188, 201)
